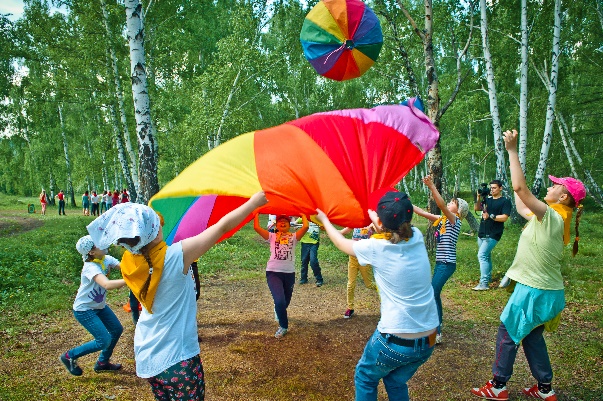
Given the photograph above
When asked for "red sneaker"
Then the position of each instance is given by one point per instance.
(535, 393)
(488, 392)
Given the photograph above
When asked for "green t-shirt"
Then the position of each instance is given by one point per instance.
(537, 263)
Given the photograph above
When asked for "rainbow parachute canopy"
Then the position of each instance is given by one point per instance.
(335, 161)
(341, 38)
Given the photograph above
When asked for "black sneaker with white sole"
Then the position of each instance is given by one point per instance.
(71, 365)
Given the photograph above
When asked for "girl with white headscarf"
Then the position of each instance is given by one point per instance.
(165, 341)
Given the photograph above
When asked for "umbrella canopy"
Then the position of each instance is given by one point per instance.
(341, 38)
(333, 161)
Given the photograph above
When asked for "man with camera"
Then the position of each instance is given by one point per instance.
(496, 209)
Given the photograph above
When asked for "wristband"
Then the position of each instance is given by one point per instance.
(493, 216)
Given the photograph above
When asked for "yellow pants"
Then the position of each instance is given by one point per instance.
(367, 276)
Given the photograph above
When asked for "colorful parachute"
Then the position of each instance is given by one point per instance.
(332, 160)
(341, 38)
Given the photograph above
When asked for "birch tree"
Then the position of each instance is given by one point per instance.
(67, 159)
(499, 148)
(149, 184)
(523, 86)
(118, 93)
(552, 100)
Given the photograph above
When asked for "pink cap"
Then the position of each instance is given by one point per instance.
(573, 186)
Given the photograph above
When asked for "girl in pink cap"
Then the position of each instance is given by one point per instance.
(537, 297)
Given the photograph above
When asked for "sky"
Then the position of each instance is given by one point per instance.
(14, 7)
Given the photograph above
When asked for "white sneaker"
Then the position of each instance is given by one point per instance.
(280, 332)
(504, 283)
(438, 338)
(481, 287)
(275, 316)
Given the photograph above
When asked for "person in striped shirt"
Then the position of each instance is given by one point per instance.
(447, 229)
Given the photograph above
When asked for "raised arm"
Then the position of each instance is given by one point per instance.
(303, 229)
(259, 229)
(196, 246)
(439, 200)
(342, 243)
(529, 201)
(424, 213)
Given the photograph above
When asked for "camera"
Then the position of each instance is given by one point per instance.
(484, 191)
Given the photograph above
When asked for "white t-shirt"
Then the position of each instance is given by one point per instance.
(90, 295)
(403, 275)
(94, 198)
(169, 335)
(282, 253)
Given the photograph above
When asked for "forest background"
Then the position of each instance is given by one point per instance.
(217, 69)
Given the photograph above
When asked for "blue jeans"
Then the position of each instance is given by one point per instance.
(281, 288)
(441, 274)
(104, 327)
(484, 255)
(61, 206)
(309, 253)
(393, 363)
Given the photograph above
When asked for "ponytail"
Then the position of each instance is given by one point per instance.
(578, 215)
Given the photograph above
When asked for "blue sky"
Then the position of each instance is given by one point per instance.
(14, 7)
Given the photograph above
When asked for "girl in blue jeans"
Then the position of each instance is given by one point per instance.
(91, 311)
(406, 331)
(447, 229)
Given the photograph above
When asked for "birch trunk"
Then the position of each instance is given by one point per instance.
(67, 162)
(499, 148)
(550, 110)
(118, 93)
(105, 176)
(149, 184)
(523, 86)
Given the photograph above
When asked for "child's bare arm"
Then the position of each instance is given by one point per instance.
(303, 229)
(107, 284)
(342, 243)
(259, 229)
(439, 200)
(423, 213)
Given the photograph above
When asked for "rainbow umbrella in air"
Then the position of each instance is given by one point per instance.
(341, 38)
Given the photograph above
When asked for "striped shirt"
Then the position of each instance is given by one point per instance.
(446, 248)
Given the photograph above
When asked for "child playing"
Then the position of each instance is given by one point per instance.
(538, 296)
(310, 243)
(354, 267)
(447, 230)
(92, 312)
(406, 332)
(165, 341)
(280, 269)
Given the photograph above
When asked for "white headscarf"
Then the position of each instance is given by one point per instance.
(125, 220)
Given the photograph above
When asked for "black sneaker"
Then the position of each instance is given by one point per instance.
(71, 365)
(107, 366)
(319, 283)
(303, 281)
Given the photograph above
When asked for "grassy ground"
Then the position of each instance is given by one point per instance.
(39, 276)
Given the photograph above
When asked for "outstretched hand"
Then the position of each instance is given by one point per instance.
(321, 216)
(259, 199)
(427, 181)
(510, 138)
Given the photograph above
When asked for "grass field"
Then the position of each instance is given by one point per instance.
(39, 276)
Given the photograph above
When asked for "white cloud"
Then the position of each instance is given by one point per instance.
(14, 7)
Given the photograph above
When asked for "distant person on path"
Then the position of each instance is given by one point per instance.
(43, 201)
(447, 230)
(406, 332)
(124, 196)
(115, 198)
(280, 269)
(86, 203)
(310, 243)
(166, 346)
(496, 209)
(354, 268)
(537, 297)
(92, 312)
(105, 204)
(94, 199)
(61, 197)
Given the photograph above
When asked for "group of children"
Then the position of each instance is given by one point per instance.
(165, 342)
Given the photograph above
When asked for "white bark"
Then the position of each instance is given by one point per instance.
(501, 172)
(67, 161)
(118, 93)
(142, 106)
(121, 154)
(523, 86)
(550, 110)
